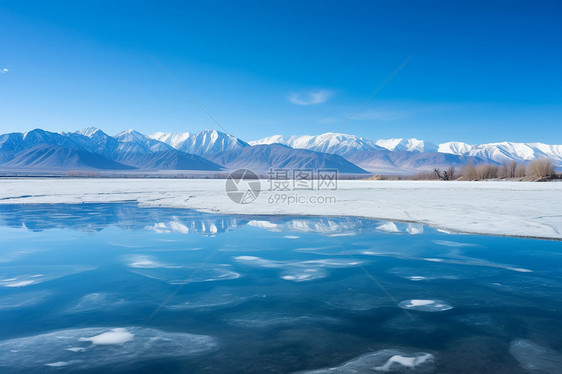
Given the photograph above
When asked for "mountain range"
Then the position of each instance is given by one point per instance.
(215, 151)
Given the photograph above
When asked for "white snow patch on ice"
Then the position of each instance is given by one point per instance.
(386, 360)
(425, 305)
(408, 362)
(103, 347)
(115, 336)
(58, 364)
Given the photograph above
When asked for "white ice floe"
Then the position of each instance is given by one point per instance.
(425, 305)
(298, 271)
(95, 347)
(535, 358)
(384, 361)
(76, 349)
(59, 364)
(398, 361)
(115, 336)
(475, 207)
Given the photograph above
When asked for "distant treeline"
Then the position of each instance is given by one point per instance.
(536, 170)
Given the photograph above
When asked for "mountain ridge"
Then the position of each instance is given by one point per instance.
(494, 152)
(212, 150)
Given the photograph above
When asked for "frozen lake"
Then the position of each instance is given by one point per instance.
(119, 288)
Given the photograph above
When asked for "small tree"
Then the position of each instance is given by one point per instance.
(486, 171)
(451, 173)
(540, 168)
(447, 175)
(520, 171)
(469, 171)
(507, 169)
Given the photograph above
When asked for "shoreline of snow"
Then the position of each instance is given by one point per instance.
(516, 209)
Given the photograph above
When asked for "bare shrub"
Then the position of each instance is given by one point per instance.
(480, 172)
(486, 171)
(469, 171)
(451, 173)
(447, 175)
(540, 168)
(507, 169)
(520, 171)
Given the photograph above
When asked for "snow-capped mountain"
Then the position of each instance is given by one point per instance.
(91, 148)
(17, 141)
(409, 145)
(340, 144)
(134, 141)
(455, 148)
(205, 143)
(212, 150)
(505, 151)
(349, 145)
(345, 144)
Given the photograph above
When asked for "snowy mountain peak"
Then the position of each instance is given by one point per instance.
(455, 148)
(203, 143)
(275, 139)
(134, 141)
(88, 131)
(505, 151)
(335, 143)
(129, 136)
(410, 145)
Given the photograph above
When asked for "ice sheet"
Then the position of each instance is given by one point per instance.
(500, 208)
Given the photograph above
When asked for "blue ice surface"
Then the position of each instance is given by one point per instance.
(120, 288)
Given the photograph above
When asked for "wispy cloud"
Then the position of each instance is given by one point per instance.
(3, 70)
(310, 98)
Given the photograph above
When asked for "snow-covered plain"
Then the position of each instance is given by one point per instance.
(522, 209)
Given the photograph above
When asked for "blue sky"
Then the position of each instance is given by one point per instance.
(480, 71)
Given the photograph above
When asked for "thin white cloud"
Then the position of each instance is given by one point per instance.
(4, 70)
(310, 98)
